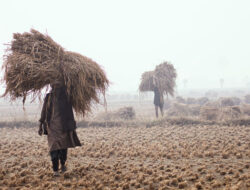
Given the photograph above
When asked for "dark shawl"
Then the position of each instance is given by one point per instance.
(158, 97)
(57, 112)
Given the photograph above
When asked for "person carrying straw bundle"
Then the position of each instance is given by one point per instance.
(34, 62)
(57, 121)
(161, 81)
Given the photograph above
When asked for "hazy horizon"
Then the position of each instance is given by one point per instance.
(204, 40)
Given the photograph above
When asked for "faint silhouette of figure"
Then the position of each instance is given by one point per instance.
(158, 101)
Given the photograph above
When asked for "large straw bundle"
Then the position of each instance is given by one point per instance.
(147, 81)
(163, 77)
(35, 61)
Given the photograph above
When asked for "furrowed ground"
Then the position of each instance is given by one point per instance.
(158, 157)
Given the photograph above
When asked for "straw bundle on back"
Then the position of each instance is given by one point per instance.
(147, 81)
(35, 61)
(163, 77)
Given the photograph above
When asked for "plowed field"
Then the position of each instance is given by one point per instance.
(169, 157)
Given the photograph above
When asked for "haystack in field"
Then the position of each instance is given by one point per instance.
(245, 108)
(191, 101)
(124, 113)
(34, 61)
(226, 102)
(178, 110)
(163, 77)
(180, 100)
(247, 99)
(230, 112)
(202, 101)
(214, 103)
(209, 113)
(183, 110)
(237, 101)
(194, 110)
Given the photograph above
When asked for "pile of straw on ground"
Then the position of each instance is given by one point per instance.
(124, 113)
(247, 99)
(34, 61)
(163, 77)
(227, 102)
(178, 110)
(213, 103)
(202, 101)
(209, 113)
(180, 100)
(237, 101)
(183, 110)
(245, 108)
(191, 101)
(230, 112)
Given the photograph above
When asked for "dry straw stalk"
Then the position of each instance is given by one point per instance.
(34, 61)
(163, 77)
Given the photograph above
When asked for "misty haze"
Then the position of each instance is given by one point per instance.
(125, 94)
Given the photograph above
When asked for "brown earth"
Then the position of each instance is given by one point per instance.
(158, 157)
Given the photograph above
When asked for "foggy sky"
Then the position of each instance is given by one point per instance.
(204, 39)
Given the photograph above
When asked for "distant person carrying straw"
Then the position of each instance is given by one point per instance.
(57, 121)
(158, 101)
(161, 81)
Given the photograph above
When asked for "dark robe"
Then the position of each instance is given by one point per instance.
(158, 98)
(58, 114)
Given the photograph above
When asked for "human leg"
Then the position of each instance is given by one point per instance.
(63, 158)
(55, 159)
(162, 112)
(156, 111)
